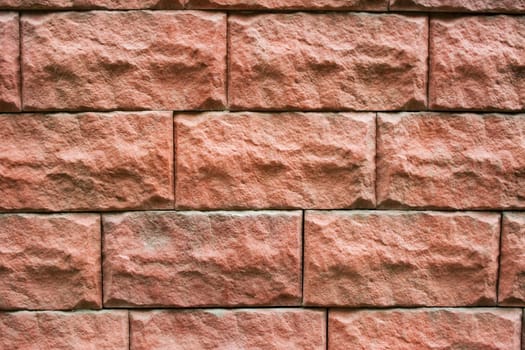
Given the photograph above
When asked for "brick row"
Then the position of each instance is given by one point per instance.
(289, 61)
(210, 259)
(471, 328)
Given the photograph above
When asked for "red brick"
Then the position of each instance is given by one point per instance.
(477, 63)
(9, 63)
(381, 258)
(229, 329)
(351, 61)
(370, 5)
(104, 330)
(512, 263)
(510, 6)
(455, 161)
(289, 160)
(89, 161)
(90, 4)
(50, 261)
(202, 259)
(425, 329)
(130, 60)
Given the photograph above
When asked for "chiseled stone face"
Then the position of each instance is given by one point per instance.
(87, 161)
(255, 329)
(512, 270)
(141, 60)
(90, 4)
(286, 160)
(51, 330)
(425, 329)
(351, 61)
(191, 259)
(380, 258)
(459, 5)
(9, 63)
(371, 5)
(477, 63)
(50, 261)
(451, 161)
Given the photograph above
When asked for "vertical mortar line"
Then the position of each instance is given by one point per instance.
(326, 328)
(376, 158)
(20, 62)
(428, 61)
(101, 260)
(227, 80)
(499, 256)
(302, 256)
(174, 158)
(522, 344)
(129, 330)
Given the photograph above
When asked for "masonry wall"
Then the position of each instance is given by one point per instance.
(262, 174)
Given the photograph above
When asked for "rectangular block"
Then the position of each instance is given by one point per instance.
(451, 161)
(50, 261)
(130, 60)
(351, 61)
(477, 63)
(425, 329)
(287, 160)
(9, 63)
(501, 6)
(101, 330)
(512, 261)
(90, 4)
(369, 5)
(88, 161)
(382, 258)
(229, 329)
(202, 259)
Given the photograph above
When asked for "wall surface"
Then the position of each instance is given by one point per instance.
(262, 174)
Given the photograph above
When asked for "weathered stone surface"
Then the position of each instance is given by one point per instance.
(510, 6)
(50, 261)
(229, 329)
(90, 4)
(477, 63)
(331, 61)
(289, 160)
(124, 60)
(370, 5)
(370, 258)
(202, 259)
(9, 63)
(425, 329)
(88, 161)
(512, 263)
(101, 330)
(458, 161)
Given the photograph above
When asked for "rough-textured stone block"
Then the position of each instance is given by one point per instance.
(370, 5)
(370, 258)
(202, 259)
(89, 161)
(100, 330)
(457, 161)
(512, 269)
(290, 160)
(9, 63)
(124, 60)
(327, 61)
(90, 4)
(477, 63)
(501, 6)
(229, 329)
(50, 261)
(425, 329)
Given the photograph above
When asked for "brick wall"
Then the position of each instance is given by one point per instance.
(262, 174)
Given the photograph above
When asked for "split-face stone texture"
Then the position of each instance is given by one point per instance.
(370, 258)
(500, 6)
(9, 63)
(101, 330)
(202, 259)
(50, 261)
(351, 61)
(512, 270)
(87, 161)
(425, 329)
(288, 160)
(141, 60)
(90, 4)
(369, 5)
(477, 63)
(451, 161)
(263, 329)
